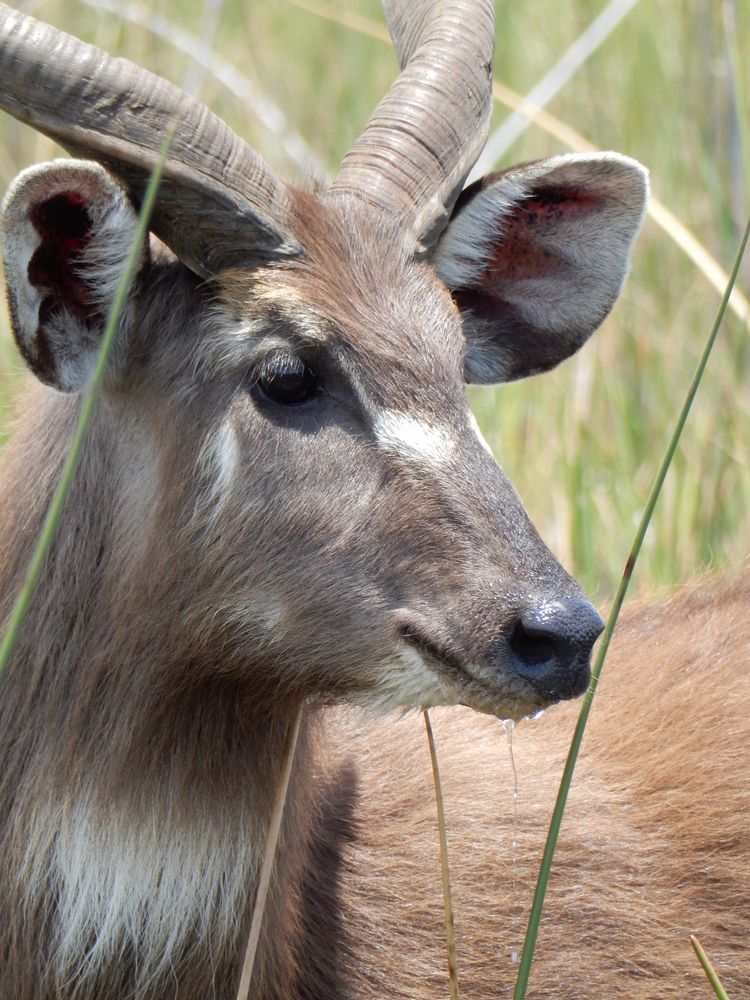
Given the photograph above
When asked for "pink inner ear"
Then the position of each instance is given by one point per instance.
(64, 225)
(522, 252)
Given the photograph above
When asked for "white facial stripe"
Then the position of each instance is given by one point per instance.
(411, 436)
(227, 346)
(226, 455)
(478, 434)
(217, 465)
(404, 434)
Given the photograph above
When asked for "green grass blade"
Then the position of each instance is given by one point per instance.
(450, 934)
(532, 931)
(713, 979)
(52, 518)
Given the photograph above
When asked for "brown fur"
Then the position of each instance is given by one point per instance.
(142, 720)
(654, 845)
(231, 551)
(144, 711)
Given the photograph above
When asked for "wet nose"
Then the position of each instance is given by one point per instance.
(551, 644)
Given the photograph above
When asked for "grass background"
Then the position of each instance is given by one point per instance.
(581, 444)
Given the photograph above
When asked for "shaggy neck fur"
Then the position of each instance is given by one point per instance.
(139, 783)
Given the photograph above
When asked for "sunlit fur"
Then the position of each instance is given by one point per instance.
(654, 845)
(214, 567)
(223, 559)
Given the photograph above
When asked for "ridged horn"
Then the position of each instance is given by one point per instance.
(426, 134)
(219, 203)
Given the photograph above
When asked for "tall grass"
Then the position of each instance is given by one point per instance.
(582, 443)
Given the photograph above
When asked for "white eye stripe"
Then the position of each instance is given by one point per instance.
(217, 466)
(407, 435)
(226, 455)
(412, 436)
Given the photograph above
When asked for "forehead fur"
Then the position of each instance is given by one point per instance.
(357, 284)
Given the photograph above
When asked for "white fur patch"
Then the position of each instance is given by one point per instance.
(225, 455)
(227, 345)
(287, 301)
(217, 466)
(125, 885)
(407, 435)
(263, 610)
(408, 682)
(478, 434)
(411, 436)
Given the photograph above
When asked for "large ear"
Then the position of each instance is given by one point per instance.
(68, 228)
(536, 256)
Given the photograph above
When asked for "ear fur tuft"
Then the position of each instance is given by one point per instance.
(67, 231)
(536, 256)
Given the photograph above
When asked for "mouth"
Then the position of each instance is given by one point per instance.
(511, 697)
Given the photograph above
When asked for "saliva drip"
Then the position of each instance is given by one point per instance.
(509, 725)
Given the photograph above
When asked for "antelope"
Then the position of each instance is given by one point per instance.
(283, 500)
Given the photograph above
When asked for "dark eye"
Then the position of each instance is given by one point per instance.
(287, 380)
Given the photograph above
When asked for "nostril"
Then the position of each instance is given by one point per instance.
(551, 642)
(571, 624)
(532, 645)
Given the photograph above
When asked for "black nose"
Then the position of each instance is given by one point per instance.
(552, 643)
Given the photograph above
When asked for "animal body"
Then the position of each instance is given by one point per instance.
(283, 501)
(654, 842)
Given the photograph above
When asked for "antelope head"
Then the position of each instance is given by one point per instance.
(296, 486)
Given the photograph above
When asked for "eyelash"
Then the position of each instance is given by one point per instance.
(287, 380)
